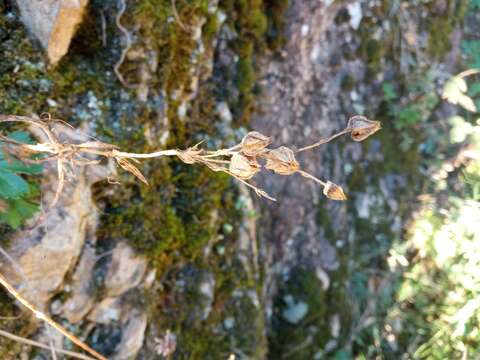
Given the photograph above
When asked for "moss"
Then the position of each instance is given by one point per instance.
(348, 82)
(248, 18)
(276, 13)
(438, 40)
(304, 286)
(440, 26)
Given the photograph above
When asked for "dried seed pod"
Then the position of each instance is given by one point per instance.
(361, 127)
(334, 191)
(243, 167)
(254, 143)
(282, 161)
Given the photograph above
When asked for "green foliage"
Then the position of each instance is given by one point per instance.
(444, 284)
(303, 315)
(410, 106)
(15, 191)
(471, 48)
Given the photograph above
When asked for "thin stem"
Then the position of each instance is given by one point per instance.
(324, 141)
(257, 190)
(310, 176)
(42, 346)
(122, 154)
(40, 315)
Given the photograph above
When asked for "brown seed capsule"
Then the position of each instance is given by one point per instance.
(254, 143)
(361, 127)
(243, 167)
(282, 161)
(334, 192)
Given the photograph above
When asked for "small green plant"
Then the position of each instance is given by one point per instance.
(16, 193)
(414, 108)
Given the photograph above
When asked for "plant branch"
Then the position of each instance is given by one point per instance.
(23, 340)
(42, 316)
(324, 141)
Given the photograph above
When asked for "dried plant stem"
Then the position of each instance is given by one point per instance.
(121, 154)
(23, 340)
(310, 176)
(324, 141)
(239, 161)
(42, 316)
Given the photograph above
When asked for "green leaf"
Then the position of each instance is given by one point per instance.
(12, 218)
(12, 185)
(474, 89)
(19, 210)
(16, 166)
(21, 136)
(389, 92)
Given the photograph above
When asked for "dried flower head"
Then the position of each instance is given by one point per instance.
(282, 161)
(334, 191)
(361, 127)
(254, 143)
(243, 167)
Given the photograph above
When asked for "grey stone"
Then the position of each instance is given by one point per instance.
(53, 23)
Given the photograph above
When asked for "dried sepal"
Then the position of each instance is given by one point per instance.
(361, 128)
(334, 192)
(282, 161)
(188, 156)
(128, 166)
(243, 167)
(254, 143)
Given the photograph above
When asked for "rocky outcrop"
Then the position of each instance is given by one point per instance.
(53, 23)
(51, 248)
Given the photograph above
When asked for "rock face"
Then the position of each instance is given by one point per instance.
(125, 272)
(53, 23)
(50, 249)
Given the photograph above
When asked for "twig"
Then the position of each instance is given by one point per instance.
(42, 346)
(50, 343)
(42, 316)
(324, 141)
(310, 176)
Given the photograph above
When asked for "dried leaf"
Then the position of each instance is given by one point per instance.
(254, 143)
(128, 166)
(243, 167)
(334, 191)
(282, 161)
(361, 127)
